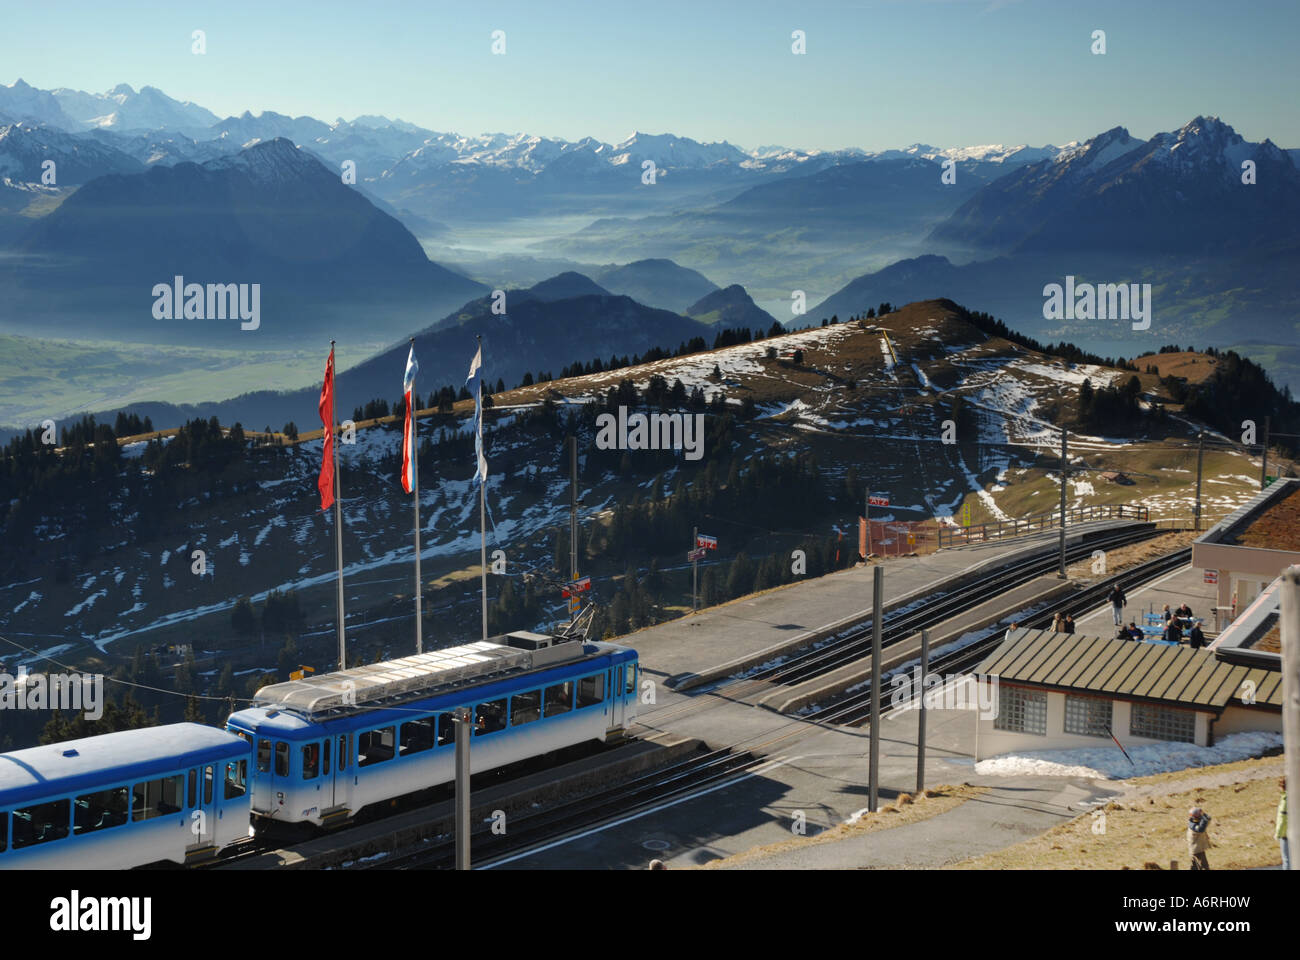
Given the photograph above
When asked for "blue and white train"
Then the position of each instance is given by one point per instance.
(328, 746)
(315, 751)
(176, 792)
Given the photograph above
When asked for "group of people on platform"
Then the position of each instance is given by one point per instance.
(1180, 624)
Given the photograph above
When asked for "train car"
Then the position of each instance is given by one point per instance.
(327, 746)
(172, 793)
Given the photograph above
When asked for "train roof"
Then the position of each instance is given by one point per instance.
(423, 674)
(110, 759)
(296, 706)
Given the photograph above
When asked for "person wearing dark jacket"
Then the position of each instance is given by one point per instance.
(1198, 837)
(1067, 624)
(1173, 633)
(1196, 638)
(1117, 604)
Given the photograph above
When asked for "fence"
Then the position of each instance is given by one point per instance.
(1000, 529)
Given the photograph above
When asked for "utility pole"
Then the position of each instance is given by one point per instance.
(1291, 692)
(695, 569)
(573, 507)
(1200, 460)
(877, 602)
(920, 729)
(464, 729)
(1065, 471)
(1263, 467)
(866, 517)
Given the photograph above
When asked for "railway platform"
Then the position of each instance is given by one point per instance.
(720, 641)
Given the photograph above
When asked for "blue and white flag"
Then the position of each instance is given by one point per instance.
(477, 392)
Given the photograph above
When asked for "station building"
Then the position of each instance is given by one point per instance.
(1249, 548)
(1061, 691)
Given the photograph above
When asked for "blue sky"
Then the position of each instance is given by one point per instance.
(875, 75)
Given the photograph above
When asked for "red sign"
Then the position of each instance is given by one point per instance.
(1211, 576)
(697, 554)
(877, 501)
(706, 541)
(577, 586)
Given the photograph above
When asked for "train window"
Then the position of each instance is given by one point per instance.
(311, 761)
(325, 757)
(631, 678)
(192, 790)
(263, 756)
(490, 717)
(374, 746)
(591, 690)
(236, 779)
(41, 823)
(207, 785)
(98, 811)
(525, 707)
(559, 698)
(4, 831)
(417, 736)
(446, 729)
(343, 751)
(156, 798)
(281, 759)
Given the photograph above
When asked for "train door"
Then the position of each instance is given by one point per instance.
(342, 763)
(201, 808)
(617, 700)
(281, 785)
(327, 774)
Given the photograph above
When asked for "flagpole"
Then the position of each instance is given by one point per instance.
(482, 494)
(415, 482)
(338, 517)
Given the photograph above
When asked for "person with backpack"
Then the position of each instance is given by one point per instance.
(1198, 837)
(1280, 831)
(1117, 604)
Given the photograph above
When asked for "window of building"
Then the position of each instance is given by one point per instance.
(1162, 723)
(525, 707)
(1087, 716)
(490, 717)
(310, 761)
(236, 779)
(100, 810)
(281, 759)
(417, 735)
(263, 756)
(156, 798)
(41, 823)
(559, 699)
(591, 690)
(1021, 710)
(375, 746)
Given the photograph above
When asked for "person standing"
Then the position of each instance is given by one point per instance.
(1117, 604)
(1198, 837)
(1068, 624)
(1280, 831)
(1056, 624)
